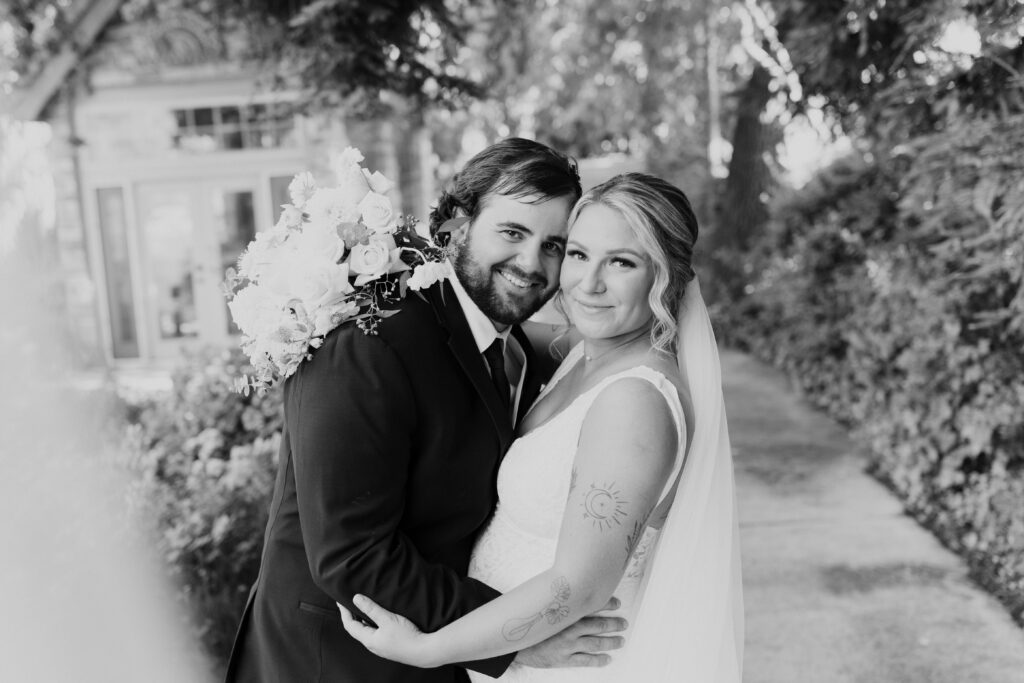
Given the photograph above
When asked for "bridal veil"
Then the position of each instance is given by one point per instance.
(689, 626)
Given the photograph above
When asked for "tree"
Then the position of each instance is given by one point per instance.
(885, 70)
(336, 51)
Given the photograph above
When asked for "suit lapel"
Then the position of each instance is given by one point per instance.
(463, 346)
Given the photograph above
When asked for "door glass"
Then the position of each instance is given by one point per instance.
(166, 223)
(279, 195)
(235, 227)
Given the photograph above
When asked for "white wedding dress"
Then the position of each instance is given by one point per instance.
(533, 484)
(690, 628)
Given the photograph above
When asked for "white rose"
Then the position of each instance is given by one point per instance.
(322, 285)
(316, 243)
(377, 213)
(331, 206)
(378, 182)
(301, 189)
(371, 260)
(426, 274)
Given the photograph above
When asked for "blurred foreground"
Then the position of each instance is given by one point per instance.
(80, 587)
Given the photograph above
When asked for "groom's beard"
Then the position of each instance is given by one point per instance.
(479, 283)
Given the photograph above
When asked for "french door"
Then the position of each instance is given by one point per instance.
(189, 233)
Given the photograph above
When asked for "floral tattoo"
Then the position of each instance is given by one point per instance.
(554, 612)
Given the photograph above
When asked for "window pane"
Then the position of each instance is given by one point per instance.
(204, 117)
(229, 115)
(114, 238)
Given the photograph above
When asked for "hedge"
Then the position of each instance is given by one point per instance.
(204, 459)
(889, 289)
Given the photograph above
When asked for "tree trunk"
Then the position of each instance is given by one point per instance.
(742, 211)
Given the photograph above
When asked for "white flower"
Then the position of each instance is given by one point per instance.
(350, 156)
(260, 253)
(322, 284)
(255, 310)
(378, 182)
(422, 229)
(301, 189)
(426, 274)
(375, 258)
(329, 317)
(352, 184)
(332, 206)
(317, 242)
(377, 213)
(291, 216)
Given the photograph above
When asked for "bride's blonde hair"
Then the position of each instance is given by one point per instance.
(661, 217)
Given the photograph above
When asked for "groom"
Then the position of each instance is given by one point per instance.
(392, 444)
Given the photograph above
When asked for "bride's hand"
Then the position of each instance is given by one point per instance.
(395, 638)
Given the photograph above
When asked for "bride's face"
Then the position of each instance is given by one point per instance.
(606, 276)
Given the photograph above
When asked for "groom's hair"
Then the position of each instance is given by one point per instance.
(515, 167)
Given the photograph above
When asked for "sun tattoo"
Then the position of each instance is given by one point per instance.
(604, 506)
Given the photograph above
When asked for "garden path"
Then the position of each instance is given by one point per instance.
(841, 586)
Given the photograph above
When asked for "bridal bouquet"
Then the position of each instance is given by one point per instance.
(336, 254)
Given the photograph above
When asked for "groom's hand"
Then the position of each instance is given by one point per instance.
(582, 644)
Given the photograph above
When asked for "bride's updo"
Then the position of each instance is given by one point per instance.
(663, 221)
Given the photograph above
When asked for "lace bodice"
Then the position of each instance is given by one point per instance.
(533, 484)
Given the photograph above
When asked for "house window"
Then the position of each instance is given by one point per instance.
(120, 301)
(254, 126)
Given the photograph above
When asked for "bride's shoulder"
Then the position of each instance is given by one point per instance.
(631, 418)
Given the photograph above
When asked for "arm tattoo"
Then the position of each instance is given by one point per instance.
(634, 537)
(554, 612)
(604, 506)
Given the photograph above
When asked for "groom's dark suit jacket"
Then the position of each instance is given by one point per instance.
(387, 473)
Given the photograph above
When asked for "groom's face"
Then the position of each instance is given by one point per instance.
(509, 256)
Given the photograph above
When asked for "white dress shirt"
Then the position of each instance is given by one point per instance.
(484, 333)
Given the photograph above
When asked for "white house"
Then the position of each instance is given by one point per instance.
(168, 155)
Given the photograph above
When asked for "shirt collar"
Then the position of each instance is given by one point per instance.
(480, 325)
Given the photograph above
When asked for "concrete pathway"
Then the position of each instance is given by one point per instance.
(840, 585)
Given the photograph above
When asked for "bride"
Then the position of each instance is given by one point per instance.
(620, 483)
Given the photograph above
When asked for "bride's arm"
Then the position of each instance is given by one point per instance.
(626, 451)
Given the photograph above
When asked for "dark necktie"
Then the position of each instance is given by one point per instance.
(495, 357)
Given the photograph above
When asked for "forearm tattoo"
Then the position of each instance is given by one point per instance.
(634, 536)
(604, 506)
(555, 612)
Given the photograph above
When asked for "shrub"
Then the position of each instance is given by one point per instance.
(205, 459)
(891, 290)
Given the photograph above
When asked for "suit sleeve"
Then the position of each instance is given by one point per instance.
(351, 417)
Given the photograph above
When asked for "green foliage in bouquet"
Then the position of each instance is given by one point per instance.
(205, 458)
(891, 290)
